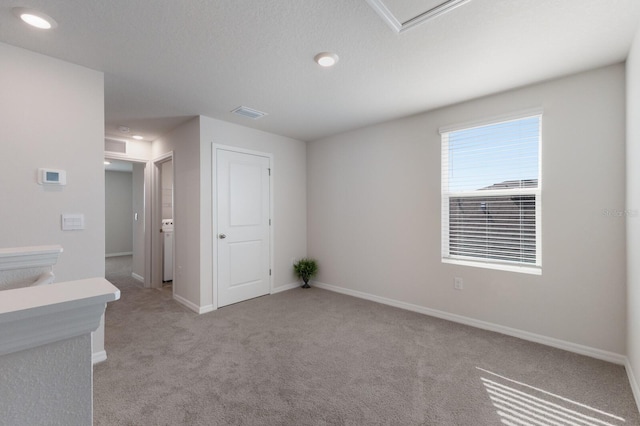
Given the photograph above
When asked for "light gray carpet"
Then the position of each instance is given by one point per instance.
(118, 272)
(312, 357)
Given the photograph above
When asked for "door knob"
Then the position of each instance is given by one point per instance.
(222, 236)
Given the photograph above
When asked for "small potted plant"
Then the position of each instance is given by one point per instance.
(305, 269)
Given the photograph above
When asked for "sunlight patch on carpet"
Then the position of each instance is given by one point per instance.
(519, 404)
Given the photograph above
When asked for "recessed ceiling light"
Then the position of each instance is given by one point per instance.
(35, 18)
(106, 163)
(326, 59)
(138, 137)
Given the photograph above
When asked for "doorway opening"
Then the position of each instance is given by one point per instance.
(162, 219)
(166, 182)
(126, 239)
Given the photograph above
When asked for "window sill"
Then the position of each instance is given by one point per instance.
(532, 270)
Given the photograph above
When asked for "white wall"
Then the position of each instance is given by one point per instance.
(184, 141)
(65, 368)
(138, 149)
(118, 213)
(167, 190)
(52, 115)
(191, 143)
(633, 219)
(138, 203)
(374, 214)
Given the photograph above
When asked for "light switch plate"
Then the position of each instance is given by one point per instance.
(72, 222)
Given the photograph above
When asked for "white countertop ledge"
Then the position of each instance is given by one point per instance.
(29, 257)
(33, 316)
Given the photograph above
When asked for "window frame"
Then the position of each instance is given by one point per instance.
(512, 266)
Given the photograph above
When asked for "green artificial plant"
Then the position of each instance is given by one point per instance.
(305, 269)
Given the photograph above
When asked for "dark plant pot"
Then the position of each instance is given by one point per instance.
(306, 283)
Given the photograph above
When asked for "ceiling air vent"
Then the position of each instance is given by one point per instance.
(114, 145)
(249, 113)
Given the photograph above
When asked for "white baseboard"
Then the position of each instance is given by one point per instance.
(632, 381)
(192, 306)
(205, 309)
(98, 357)
(137, 277)
(124, 253)
(525, 335)
(210, 308)
(285, 287)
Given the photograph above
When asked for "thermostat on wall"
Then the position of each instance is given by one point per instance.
(52, 177)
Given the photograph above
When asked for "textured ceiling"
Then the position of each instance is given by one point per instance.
(166, 61)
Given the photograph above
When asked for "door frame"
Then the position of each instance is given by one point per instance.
(214, 213)
(147, 210)
(156, 221)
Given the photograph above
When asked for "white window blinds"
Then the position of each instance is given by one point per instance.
(491, 193)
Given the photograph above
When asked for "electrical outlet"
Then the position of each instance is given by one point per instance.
(458, 283)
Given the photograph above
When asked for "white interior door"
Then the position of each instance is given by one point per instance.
(243, 204)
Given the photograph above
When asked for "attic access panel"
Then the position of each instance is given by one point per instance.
(404, 14)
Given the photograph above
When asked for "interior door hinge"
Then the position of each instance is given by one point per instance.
(269, 272)
(269, 222)
(269, 171)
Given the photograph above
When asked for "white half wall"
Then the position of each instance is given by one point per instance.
(374, 214)
(50, 384)
(633, 216)
(45, 351)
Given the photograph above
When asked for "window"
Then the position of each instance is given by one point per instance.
(491, 194)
